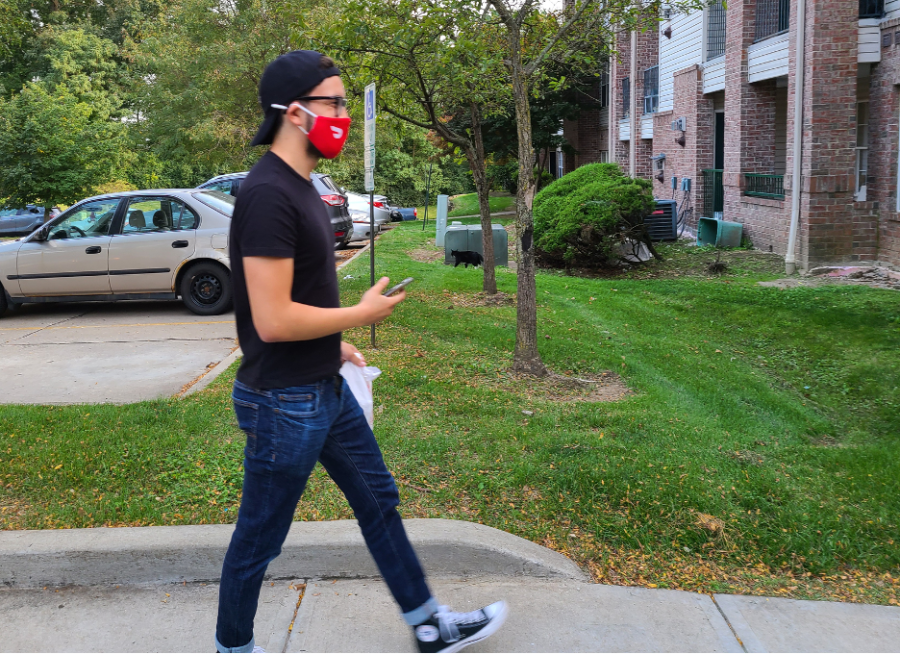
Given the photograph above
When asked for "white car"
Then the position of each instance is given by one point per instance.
(361, 203)
(160, 244)
(361, 226)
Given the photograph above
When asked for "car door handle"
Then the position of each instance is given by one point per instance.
(180, 244)
(94, 249)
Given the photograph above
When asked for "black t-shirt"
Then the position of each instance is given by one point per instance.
(278, 213)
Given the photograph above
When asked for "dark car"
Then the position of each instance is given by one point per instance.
(404, 213)
(23, 221)
(335, 201)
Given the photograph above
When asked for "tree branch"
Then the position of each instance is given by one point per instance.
(535, 63)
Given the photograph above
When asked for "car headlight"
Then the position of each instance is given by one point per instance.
(359, 216)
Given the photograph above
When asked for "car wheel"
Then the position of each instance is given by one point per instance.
(206, 289)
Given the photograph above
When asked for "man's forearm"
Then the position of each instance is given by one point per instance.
(302, 322)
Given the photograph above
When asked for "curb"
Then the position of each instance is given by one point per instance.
(365, 248)
(335, 549)
(210, 376)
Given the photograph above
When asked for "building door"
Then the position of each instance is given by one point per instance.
(719, 164)
(719, 146)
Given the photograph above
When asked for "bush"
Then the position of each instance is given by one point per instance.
(583, 218)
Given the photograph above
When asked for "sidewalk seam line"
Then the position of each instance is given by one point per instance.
(287, 641)
(727, 621)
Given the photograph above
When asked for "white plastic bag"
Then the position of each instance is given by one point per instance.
(360, 382)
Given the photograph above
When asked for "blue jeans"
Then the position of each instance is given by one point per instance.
(288, 431)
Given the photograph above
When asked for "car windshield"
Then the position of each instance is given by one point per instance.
(221, 202)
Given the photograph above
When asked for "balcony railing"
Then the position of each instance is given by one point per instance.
(772, 17)
(764, 186)
(871, 8)
(712, 193)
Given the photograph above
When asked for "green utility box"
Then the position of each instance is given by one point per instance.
(720, 233)
(468, 238)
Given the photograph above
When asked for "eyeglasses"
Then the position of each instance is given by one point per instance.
(338, 102)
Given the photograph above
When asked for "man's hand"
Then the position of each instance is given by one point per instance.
(375, 306)
(278, 318)
(351, 354)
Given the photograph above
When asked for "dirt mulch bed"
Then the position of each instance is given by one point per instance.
(480, 299)
(603, 387)
(427, 255)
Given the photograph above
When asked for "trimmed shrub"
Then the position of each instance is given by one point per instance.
(583, 218)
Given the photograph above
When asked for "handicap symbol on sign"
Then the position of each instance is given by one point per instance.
(370, 104)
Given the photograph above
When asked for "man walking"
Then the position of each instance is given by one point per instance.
(289, 398)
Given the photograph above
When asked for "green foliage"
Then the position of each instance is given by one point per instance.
(504, 176)
(54, 148)
(404, 157)
(199, 67)
(582, 218)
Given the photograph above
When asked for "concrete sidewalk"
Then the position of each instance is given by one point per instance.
(137, 602)
(546, 615)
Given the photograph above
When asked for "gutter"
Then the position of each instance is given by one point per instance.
(790, 261)
(632, 145)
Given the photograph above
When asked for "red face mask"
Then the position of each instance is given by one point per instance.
(328, 133)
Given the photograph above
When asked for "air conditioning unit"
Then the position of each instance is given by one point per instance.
(661, 224)
(679, 125)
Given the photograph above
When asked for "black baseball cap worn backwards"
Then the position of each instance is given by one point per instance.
(287, 78)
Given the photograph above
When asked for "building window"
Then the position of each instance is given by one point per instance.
(560, 163)
(871, 8)
(604, 156)
(715, 30)
(626, 97)
(604, 89)
(772, 17)
(651, 90)
(862, 149)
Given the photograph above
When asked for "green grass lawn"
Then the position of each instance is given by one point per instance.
(757, 452)
(467, 205)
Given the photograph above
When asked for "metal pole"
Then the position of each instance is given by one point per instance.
(790, 259)
(427, 190)
(372, 250)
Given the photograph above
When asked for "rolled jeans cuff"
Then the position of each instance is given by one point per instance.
(419, 615)
(243, 648)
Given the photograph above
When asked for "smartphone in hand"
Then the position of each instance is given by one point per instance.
(399, 287)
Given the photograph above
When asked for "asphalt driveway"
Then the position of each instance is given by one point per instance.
(107, 352)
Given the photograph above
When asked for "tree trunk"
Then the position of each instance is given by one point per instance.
(479, 174)
(526, 358)
(47, 211)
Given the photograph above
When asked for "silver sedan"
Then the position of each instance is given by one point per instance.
(160, 244)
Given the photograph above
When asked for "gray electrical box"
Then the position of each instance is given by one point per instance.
(468, 238)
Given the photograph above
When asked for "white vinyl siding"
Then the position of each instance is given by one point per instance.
(869, 41)
(625, 130)
(647, 126)
(891, 7)
(683, 50)
(714, 75)
(768, 58)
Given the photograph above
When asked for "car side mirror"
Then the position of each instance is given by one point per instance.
(42, 234)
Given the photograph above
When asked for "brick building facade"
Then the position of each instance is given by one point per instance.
(729, 77)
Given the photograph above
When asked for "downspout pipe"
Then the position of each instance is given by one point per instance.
(790, 261)
(632, 109)
(611, 110)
